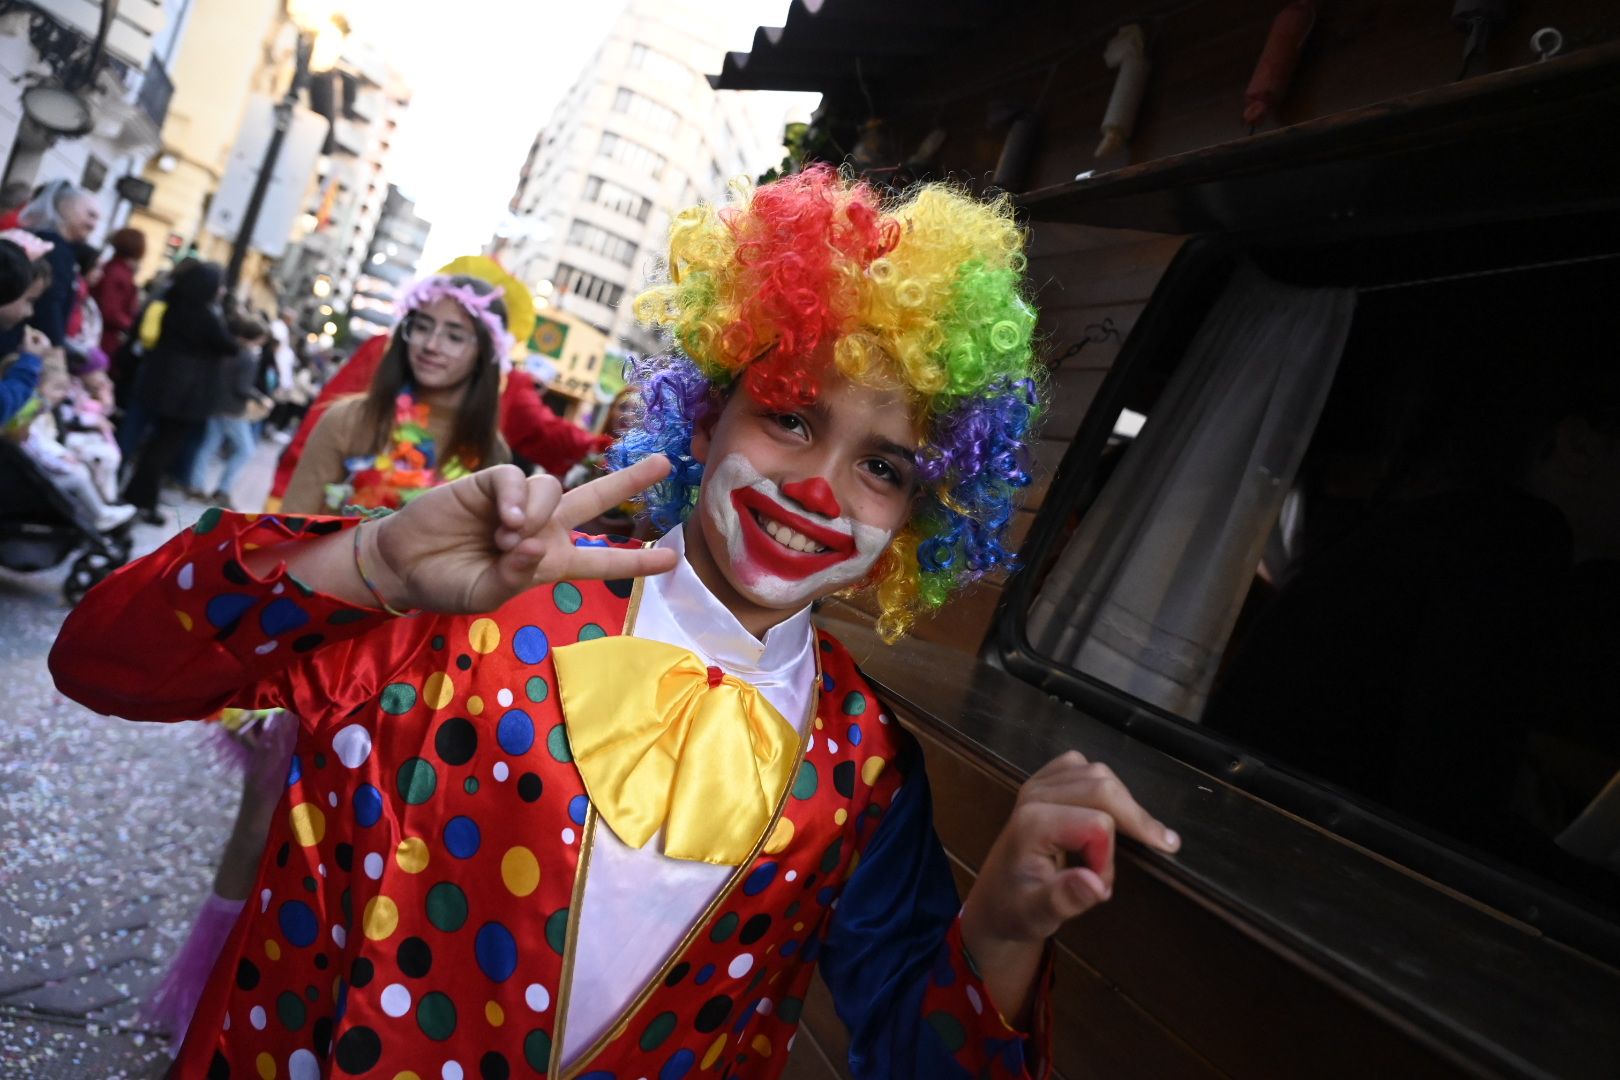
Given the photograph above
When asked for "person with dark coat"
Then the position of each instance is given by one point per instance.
(64, 215)
(177, 382)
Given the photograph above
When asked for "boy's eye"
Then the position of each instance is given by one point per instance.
(884, 471)
(789, 421)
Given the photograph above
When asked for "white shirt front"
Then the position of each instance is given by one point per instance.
(638, 905)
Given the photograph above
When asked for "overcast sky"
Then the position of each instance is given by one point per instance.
(485, 75)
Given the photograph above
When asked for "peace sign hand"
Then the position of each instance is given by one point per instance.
(472, 545)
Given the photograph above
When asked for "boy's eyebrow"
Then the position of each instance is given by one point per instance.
(904, 453)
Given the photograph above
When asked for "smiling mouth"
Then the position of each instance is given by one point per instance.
(788, 538)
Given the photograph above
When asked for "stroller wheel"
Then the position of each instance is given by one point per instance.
(86, 571)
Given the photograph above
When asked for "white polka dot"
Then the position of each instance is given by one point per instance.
(451, 1071)
(187, 577)
(501, 771)
(352, 745)
(568, 836)
(396, 1000)
(764, 1007)
(504, 697)
(256, 1018)
(883, 718)
(331, 800)
(740, 965)
(975, 1000)
(340, 936)
(374, 866)
(832, 747)
(537, 998)
(791, 875)
(809, 743)
(227, 1024)
(267, 648)
(264, 900)
(321, 869)
(278, 590)
(303, 1066)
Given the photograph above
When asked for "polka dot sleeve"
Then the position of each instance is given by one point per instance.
(189, 630)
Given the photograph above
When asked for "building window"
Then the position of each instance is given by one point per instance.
(646, 110)
(632, 154)
(595, 238)
(659, 65)
(620, 200)
(573, 280)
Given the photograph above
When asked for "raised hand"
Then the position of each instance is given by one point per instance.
(472, 545)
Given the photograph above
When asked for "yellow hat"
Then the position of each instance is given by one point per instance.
(515, 296)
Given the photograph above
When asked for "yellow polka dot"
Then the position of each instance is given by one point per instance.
(840, 815)
(520, 870)
(406, 1075)
(185, 621)
(872, 770)
(475, 705)
(798, 928)
(854, 861)
(412, 855)
(818, 723)
(483, 635)
(271, 949)
(266, 1066)
(781, 837)
(308, 824)
(494, 1014)
(381, 918)
(712, 1054)
(761, 1045)
(438, 690)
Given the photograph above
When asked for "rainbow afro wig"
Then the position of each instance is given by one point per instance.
(923, 291)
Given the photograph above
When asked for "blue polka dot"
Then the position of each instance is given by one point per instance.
(760, 879)
(298, 923)
(367, 805)
(679, 1064)
(281, 615)
(342, 1002)
(789, 948)
(596, 1074)
(705, 973)
(515, 732)
(827, 683)
(577, 807)
(295, 771)
(225, 609)
(496, 951)
(461, 837)
(530, 644)
(826, 895)
(854, 734)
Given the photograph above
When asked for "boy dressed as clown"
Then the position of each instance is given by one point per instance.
(572, 806)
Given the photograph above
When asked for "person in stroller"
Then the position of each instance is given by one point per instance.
(37, 429)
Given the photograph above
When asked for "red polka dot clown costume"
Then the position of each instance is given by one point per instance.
(600, 827)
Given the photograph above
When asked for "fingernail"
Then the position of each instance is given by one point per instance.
(1093, 879)
(1172, 839)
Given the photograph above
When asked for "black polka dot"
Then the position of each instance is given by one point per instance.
(308, 642)
(281, 854)
(325, 527)
(323, 1036)
(360, 973)
(358, 1050)
(792, 910)
(415, 958)
(844, 778)
(219, 1068)
(528, 787)
(295, 523)
(754, 929)
(345, 616)
(343, 855)
(320, 761)
(346, 902)
(321, 962)
(620, 587)
(309, 884)
(234, 573)
(247, 976)
(713, 1013)
(456, 741)
(311, 993)
(463, 661)
(493, 1066)
(438, 642)
(677, 973)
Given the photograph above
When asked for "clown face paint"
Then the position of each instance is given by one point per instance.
(784, 557)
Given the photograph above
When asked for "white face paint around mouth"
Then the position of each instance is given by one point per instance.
(761, 584)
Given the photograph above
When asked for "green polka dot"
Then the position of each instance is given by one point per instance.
(436, 1016)
(206, 523)
(417, 781)
(829, 858)
(854, 703)
(788, 1010)
(537, 1050)
(447, 907)
(565, 594)
(590, 632)
(949, 1030)
(658, 1029)
(398, 698)
(290, 1007)
(724, 927)
(805, 784)
(537, 689)
(557, 743)
(557, 930)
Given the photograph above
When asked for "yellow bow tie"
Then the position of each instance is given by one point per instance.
(665, 742)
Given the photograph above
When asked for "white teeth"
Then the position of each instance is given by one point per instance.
(789, 538)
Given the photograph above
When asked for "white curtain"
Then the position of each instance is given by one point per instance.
(1149, 587)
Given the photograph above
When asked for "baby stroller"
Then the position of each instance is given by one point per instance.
(40, 528)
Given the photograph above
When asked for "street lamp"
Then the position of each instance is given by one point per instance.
(321, 33)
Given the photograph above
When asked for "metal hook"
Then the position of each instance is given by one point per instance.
(1547, 43)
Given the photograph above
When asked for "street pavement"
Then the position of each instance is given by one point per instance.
(109, 833)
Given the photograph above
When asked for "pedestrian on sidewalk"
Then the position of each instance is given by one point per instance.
(237, 405)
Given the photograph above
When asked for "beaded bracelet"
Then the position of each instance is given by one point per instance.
(360, 566)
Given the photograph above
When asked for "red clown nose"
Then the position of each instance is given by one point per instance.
(815, 495)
